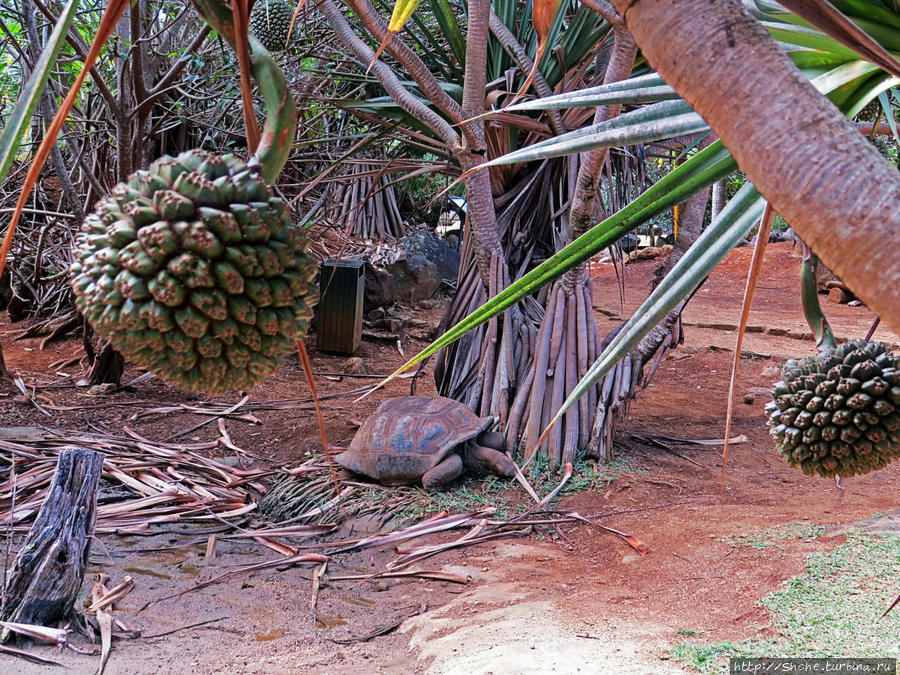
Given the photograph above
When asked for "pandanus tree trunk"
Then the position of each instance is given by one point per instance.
(801, 153)
(568, 340)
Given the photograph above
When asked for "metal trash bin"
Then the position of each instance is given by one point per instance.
(342, 284)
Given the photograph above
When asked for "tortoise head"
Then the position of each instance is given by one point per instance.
(491, 439)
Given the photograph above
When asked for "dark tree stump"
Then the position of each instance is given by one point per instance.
(4, 373)
(49, 568)
(108, 367)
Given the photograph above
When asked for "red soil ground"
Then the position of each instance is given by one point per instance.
(561, 601)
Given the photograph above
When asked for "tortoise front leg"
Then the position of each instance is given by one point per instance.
(448, 469)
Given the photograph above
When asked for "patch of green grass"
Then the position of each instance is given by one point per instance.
(713, 658)
(507, 496)
(771, 536)
(832, 610)
(687, 632)
(586, 475)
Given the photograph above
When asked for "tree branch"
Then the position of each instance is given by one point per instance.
(137, 52)
(508, 40)
(403, 97)
(80, 50)
(179, 65)
(408, 59)
(621, 61)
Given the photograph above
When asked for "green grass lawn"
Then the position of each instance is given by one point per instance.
(832, 610)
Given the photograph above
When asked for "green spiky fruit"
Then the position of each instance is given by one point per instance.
(838, 413)
(270, 22)
(194, 270)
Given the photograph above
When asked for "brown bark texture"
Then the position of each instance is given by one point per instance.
(801, 153)
(108, 367)
(49, 568)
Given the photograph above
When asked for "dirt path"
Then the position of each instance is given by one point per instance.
(574, 599)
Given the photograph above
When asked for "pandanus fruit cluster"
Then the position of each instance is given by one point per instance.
(193, 268)
(838, 413)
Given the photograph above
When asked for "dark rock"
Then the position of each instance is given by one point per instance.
(380, 335)
(776, 237)
(421, 330)
(381, 289)
(391, 325)
(415, 277)
(356, 366)
(788, 235)
(429, 245)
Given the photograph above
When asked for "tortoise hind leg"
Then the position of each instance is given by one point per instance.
(488, 459)
(448, 469)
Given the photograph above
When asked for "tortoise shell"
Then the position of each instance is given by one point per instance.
(408, 436)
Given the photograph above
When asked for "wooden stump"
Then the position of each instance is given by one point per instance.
(49, 568)
(839, 295)
(4, 374)
(108, 367)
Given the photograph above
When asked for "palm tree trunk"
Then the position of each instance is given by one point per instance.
(801, 153)
(718, 198)
(480, 208)
(482, 369)
(568, 339)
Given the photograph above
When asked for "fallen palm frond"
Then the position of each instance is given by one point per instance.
(99, 594)
(144, 481)
(28, 656)
(436, 575)
(381, 630)
(57, 636)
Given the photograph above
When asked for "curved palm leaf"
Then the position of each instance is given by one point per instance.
(723, 234)
(651, 123)
(21, 115)
(648, 88)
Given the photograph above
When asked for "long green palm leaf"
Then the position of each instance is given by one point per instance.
(651, 123)
(641, 89)
(729, 227)
(28, 101)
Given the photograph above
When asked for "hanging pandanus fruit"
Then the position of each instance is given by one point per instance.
(192, 268)
(270, 22)
(837, 413)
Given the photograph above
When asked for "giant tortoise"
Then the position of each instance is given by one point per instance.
(427, 438)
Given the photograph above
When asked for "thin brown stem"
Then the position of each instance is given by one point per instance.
(509, 42)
